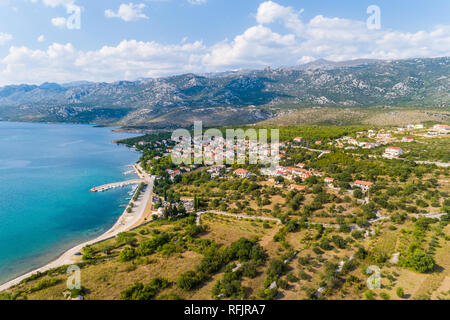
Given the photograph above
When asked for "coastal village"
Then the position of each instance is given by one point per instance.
(337, 200)
(291, 177)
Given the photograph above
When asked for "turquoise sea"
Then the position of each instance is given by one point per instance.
(46, 171)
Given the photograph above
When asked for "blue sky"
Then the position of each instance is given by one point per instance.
(120, 39)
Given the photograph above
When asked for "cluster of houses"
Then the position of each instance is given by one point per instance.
(414, 126)
(439, 129)
(218, 149)
(361, 144)
(188, 204)
(174, 173)
(217, 170)
(287, 172)
(155, 144)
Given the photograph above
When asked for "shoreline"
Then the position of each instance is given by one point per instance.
(125, 222)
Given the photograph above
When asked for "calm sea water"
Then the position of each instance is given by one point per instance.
(46, 171)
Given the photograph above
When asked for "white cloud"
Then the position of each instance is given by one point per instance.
(296, 42)
(57, 3)
(269, 12)
(41, 38)
(5, 37)
(128, 12)
(59, 22)
(127, 60)
(257, 46)
(71, 8)
(197, 2)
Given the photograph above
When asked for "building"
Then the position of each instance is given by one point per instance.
(442, 128)
(367, 145)
(364, 185)
(301, 165)
(408, 139)
(384, 136)
(242, 173)
(297, 187)
(305, 175)
(215, 170)
(393, 152)
(173, 172)
(319, 143)
(158, 212)
(299, 140)
(329, 180)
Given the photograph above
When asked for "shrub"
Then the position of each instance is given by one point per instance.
(127, 254)
(419, 261)
(385, 296)
(291, 278)
(249, 270)
(268, 294)
(303, 275)
(369, 295)
(357, 234)
(140, 292)
(245, 250)
(400, 292)
(189, 280)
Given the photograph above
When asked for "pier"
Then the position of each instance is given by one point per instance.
(117, 185)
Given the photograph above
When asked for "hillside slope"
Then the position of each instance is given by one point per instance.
(233, 97)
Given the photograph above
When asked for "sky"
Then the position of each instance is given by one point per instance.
(110, 40)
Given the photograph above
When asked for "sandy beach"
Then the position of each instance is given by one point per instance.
(126, 222)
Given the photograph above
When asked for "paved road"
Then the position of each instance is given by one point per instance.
(438, 164)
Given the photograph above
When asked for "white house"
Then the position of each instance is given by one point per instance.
(329, 181)
(393, 152)
(297, 187)
(242, 173)
(364, 185)
(408, 139)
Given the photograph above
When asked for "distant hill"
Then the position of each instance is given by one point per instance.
(242, 96)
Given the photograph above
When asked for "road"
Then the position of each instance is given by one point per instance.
(438, 164)
(232, 215)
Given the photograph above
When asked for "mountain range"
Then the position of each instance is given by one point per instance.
(242, 96)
